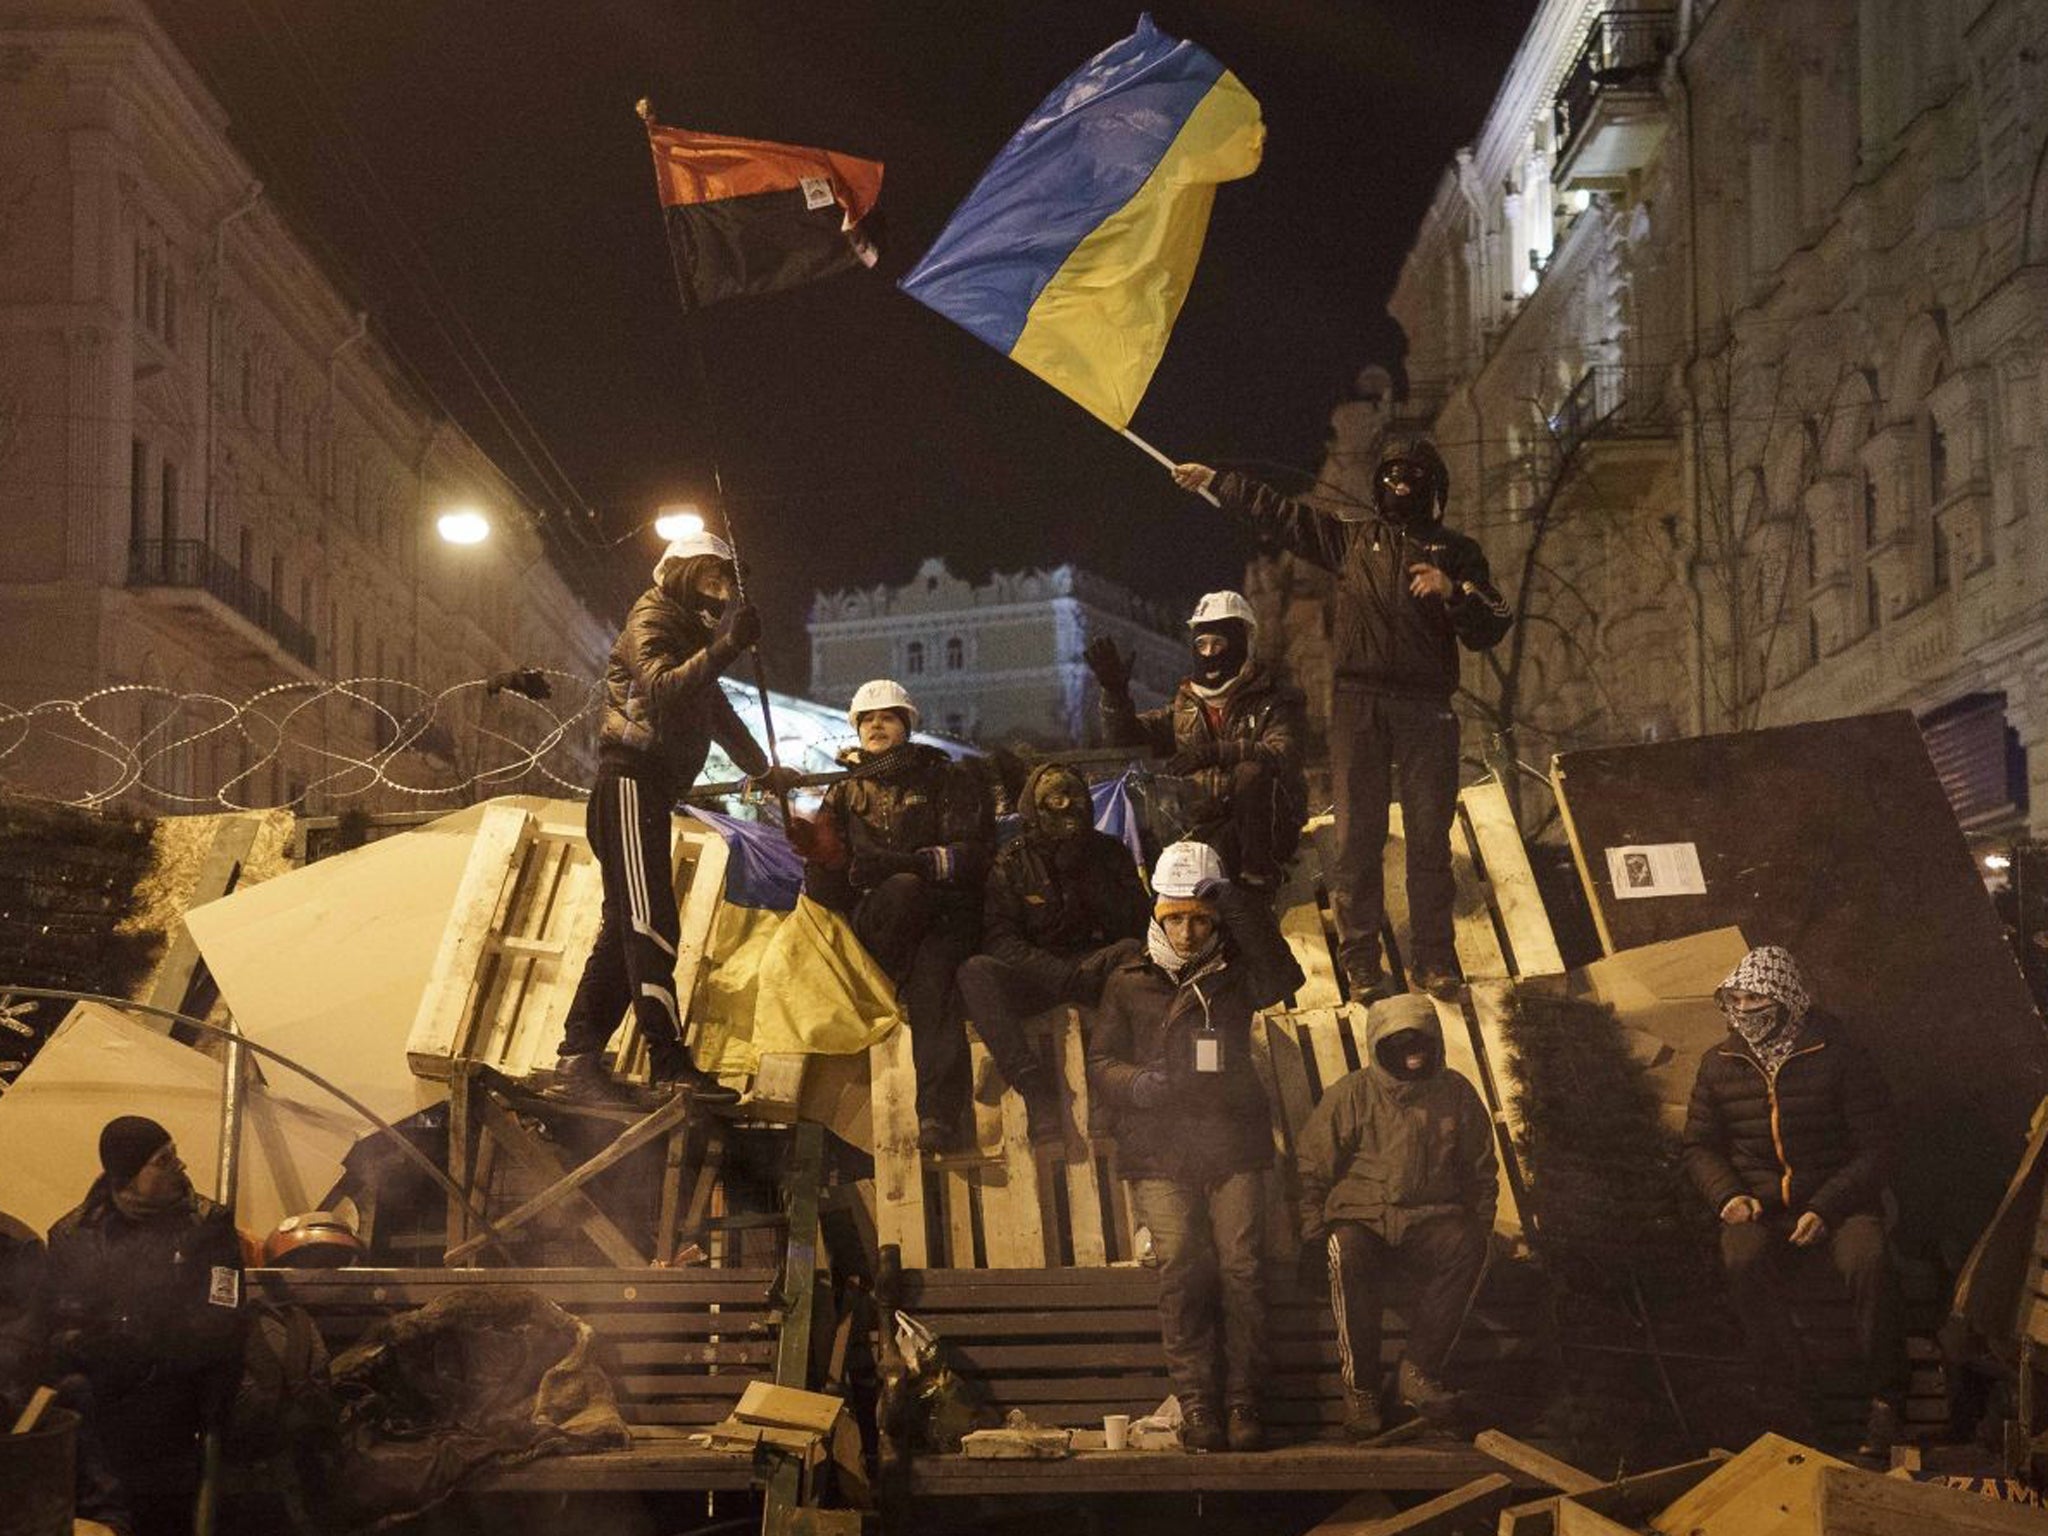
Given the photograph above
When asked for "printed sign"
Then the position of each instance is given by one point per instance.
(817, 192)
(226, 1288)
(1656, 869)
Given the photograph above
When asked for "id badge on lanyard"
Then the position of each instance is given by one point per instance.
(1208, 1050)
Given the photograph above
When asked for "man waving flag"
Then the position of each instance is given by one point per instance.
(1073, 253)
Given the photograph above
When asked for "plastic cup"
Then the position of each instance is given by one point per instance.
(1116, 1431)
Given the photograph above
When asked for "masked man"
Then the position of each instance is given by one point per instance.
(1232, 731)
(1064, 907)
(902, 846)
(1171, 1054)
(1409, 592)
(1398, 1184)
(144, 1289)
(1790, 1138)
(663, 709)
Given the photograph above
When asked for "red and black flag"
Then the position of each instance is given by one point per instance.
(748, 216)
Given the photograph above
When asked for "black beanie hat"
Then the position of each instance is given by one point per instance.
(126, 1144)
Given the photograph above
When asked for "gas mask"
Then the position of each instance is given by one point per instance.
(1394, 1051)
(1220, 649)
(702, 586)
(1404, 492)
(1060, 806)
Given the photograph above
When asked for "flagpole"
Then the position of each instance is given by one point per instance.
(1138, 442)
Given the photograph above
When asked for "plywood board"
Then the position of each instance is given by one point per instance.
(100, 1064)
(1835, 840)
(1771, 1488)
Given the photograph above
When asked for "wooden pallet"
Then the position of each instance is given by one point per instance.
(1003, 1206)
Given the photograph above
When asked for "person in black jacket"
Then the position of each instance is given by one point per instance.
(1409, 592)
(663, 709)
(1064, 907)
(1171, 1054)
(1790, 1137)
(1232, 730)
(143, 1297)
(902, 846)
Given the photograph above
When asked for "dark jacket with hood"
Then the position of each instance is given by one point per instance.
(149, 1310)
(1386, 639)
(1257, 718)
(918, 798)
(663, 706)
(1818, 1135)
(1050, 904)
(1389, 1153)
(1211, 1124)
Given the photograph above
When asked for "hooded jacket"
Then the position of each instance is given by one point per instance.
(1818, 1135)
(1257, 719)
(1386, 639)
(1388, 1153)
(1050, 904)
(919, 799)
(663, 706)
(1211, 1124)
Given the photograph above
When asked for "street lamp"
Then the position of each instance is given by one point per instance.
(463, 525)
(678, 520)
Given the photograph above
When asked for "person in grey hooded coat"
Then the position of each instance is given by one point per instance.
(1399, 1180)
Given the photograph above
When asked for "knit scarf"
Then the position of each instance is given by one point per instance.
(136, 1208)
(1170, 960)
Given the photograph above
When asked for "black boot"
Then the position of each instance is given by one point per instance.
(581, 1078)
(669, 1067)
(1041, 1106)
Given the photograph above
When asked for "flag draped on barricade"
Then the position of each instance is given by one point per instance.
(1075, 250)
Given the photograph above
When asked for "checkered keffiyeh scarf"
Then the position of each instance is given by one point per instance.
(1772, 1033)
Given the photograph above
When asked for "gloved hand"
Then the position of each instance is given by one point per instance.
(1092, 974)
(871, 866)
(740, 628)
(1150, 1088)
(817, 839)
(1211, 889)
(938, 864)
(1070, 854)
(1193, 757)
(528, 682)
(778, 779)
(1112, 668)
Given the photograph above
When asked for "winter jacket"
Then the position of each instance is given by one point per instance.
(1819, 1138)
(1387, 639)
(1050, 904)
(1258, 720)
(920, 799)
(1211, 1124)
(663, 706)
(1389, 1153)
(22, 1330)
(150, 1311)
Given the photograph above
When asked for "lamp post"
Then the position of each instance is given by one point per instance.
(461, 525)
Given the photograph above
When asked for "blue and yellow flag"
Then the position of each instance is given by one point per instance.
(1074, 252)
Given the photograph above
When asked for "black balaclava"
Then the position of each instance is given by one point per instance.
(1411, 465)
(1215, 670)
(1071, 817)
(1395, 1049)
(683, 584)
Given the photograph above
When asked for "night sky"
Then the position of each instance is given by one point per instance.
(474, 175)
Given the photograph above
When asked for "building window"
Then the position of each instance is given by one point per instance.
(168, 507)
(277, 581)
(956, 653)
(1872, 613)
(246, 552)
(306, 601)
(1869, 512)
(1942, 567)
(1937, 463)
(138, 492)
(1812, 639)
(913, 657)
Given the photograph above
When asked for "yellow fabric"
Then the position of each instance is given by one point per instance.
(1097, 330)
(818, 990)
(727, 994)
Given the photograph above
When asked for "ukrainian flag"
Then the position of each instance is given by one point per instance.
(1074, 252)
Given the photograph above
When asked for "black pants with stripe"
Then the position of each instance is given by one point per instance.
(921, 935)
(633, 961)
(1438, 1263)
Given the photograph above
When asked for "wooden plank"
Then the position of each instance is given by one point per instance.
(1355, 1515)
(1301, 923)
(1490, 1002)
(511, 967)
(219, 872)
(460, 1090)
(1575, 1519)
(1516, 896)
(1461, 1054)
(441, 1026)
(573, 919)
(698, 906)
(1535, 1464)
(671, 1211)
(1281, 1230)
(1857, 1503)
(899, 1169)
(1768, 1489)
(1472, 931)
(1084, 1190)
(1468, 1510)
(1325, 1038)
(956, 1209)
(539, 1159)
(1013, 1215)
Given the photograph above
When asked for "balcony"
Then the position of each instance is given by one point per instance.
(1612, 400)
(1609, 114)
(187, 573)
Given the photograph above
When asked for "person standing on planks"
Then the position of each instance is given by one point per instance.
(663, 708)
(1409, 592)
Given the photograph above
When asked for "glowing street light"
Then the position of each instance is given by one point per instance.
(678, 520)
(463, 525)
(1997, 863)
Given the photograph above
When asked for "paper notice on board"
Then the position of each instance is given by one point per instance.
(1656, 869)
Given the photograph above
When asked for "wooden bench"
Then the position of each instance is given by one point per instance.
(1068, 1346)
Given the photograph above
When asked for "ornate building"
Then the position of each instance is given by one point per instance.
(1731, 324)
(994, 663)
(213, 478)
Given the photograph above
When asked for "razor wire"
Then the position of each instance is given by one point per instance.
(142, 740)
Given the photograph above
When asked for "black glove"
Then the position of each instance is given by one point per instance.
(1192, 758)
(1092, 974)
(528, 682)
(1070, 855)
(871, 866)
(740, 628)
(1112, 668)
(777, 780)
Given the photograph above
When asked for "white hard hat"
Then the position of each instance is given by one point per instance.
(1216, 606)
(882, 693)
(688, 547)
(1182, 868)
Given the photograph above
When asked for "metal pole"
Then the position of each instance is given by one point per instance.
(234, 1081)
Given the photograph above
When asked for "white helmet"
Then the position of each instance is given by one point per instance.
(1216, 606)
(882, 693)
(688, 547)
(1182, 868)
